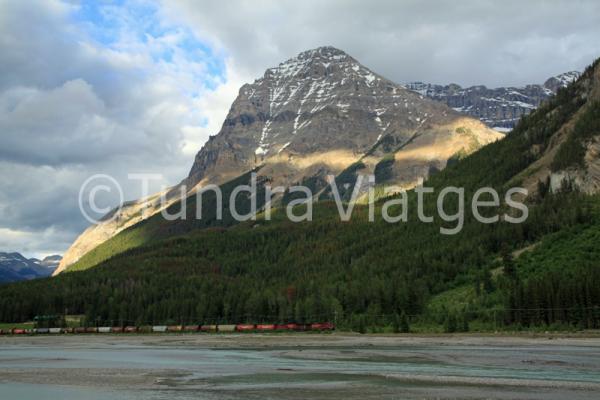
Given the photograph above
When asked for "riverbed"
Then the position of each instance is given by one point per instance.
(299, 366)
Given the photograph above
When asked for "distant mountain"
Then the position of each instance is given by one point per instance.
(15, 267)
(500, 108)
(317, 114)
(51, 261)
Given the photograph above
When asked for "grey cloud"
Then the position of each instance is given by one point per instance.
(467, 42)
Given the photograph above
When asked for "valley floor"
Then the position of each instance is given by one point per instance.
(331, 366)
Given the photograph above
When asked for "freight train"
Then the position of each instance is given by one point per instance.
(318, 327)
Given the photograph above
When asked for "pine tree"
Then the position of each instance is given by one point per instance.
(450, 325)
(404, 326)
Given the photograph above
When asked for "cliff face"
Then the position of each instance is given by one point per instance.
(315, 115)
(500, 108)
(322, 111)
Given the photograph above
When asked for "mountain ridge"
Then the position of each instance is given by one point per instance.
(500, 108)
(15, 267)
(315, 115)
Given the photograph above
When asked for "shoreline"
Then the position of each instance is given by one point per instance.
(335, 339)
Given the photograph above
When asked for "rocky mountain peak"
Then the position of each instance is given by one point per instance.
(315, 62)
(320, 100)
(562, 80)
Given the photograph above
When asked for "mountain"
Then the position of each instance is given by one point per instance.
(367, 272)
(542, 273)
(314, 115)
(51, 262)
(500, 108)
(14, 267)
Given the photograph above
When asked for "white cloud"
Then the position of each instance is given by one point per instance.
(72, 106)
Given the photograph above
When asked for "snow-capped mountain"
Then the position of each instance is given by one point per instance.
(500, 108)
(319, 112)
(315, 115)
(15, 267)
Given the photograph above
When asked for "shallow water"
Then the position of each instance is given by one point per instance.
(115, 370)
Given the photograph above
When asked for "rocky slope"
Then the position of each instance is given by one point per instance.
(14, 267)
(571, 157)
(500, 108)
(322, 111)
(315, 115)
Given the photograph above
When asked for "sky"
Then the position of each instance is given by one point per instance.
(120, 87)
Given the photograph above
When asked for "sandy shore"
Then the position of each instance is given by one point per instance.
(215, 341)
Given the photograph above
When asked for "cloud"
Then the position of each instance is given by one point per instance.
(467, 42)
(87, 90)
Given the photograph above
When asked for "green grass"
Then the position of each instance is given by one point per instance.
(17, 325)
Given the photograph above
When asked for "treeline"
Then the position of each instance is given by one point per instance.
(283, 272)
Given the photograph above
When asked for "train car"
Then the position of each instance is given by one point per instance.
(191, 328)
(144, 329)
(104, 329)
(80, 330)
(159, 328)
(174, 328)
(130, 329)
(116, 329)
(226, 328)
(17, 331)
(91, 329)
(68, 330)
(208, 328)
(323, 326)
(42, 330)
(265, 327)
(55, 330)
(245, 327)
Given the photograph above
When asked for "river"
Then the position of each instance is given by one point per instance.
(297, 367)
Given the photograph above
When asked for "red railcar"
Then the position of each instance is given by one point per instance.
(131, 329)
(19, 331)
(208, 328)
(245, 327)
(116, 329)
(79, 330)
(323, 326)
(191, 328)
(91, 330)
(265, 327)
